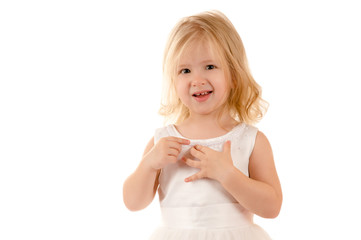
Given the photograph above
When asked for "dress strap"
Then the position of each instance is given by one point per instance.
(160, 133)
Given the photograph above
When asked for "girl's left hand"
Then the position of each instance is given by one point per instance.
(212, 164)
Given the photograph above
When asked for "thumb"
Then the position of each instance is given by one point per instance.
(227, 146)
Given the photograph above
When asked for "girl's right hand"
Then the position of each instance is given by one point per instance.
(166, 151)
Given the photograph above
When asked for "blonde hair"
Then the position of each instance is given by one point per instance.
(244, 99)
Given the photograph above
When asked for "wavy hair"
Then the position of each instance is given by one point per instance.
(244, 102)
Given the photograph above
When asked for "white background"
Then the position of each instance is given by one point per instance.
(80, 89)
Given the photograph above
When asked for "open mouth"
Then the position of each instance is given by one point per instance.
(202, 94)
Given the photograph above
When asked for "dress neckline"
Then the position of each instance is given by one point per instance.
(209, 141)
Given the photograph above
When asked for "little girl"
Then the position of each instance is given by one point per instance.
(213, 170)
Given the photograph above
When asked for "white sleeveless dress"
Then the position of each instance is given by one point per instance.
(203, 209)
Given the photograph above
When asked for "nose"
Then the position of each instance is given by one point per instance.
(198, 81)
(196, 84)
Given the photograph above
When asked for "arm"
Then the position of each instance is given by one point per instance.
(139, 189)
(260, 193)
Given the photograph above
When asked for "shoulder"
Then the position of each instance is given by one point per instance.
(249, 130)
(261, 142)
(248, 137)
(262, 151)
(158, 134)
(161, 132)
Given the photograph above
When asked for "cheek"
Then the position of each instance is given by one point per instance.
(223, 93)
(181, 90)
(181, 83)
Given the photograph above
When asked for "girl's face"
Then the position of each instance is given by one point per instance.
(201, 82)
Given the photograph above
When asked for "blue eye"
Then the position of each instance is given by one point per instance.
(186, 70)
(209, 67)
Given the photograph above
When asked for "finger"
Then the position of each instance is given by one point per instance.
(175, 145)
(192, 163)
(203, 149)
(227, 147)
(172, 159)
(194, 177)
(200, 148)
(179, 140)
(173, 152)
(196, 153)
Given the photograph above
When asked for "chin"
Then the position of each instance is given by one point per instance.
(203, 113)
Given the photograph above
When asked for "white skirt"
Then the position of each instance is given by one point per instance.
(215, 222)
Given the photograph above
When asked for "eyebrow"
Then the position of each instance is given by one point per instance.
(183, 65)
(208, 61)
(202, 62)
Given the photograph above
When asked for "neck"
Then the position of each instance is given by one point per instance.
(206, 127)
(208, 122)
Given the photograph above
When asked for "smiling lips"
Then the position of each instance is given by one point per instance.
(202, 96)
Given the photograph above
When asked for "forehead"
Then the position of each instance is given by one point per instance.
(198, 50)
